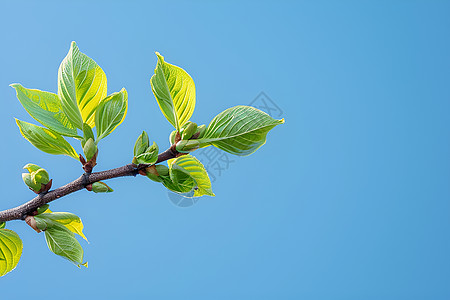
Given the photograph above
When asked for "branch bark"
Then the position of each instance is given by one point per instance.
(22, 211)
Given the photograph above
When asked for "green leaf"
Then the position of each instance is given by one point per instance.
(191, 166)
(174, 90)
(150, 156)
(141, 144)
(69, 220)
(182, 183)
(81, 87)
(46, 140)
(239, 130)
(110, 113)
(62, 242)
(10, 250)
(46, 108)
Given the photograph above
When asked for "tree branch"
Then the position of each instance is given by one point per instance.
(20, 212)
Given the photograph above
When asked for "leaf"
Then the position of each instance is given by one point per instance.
(110, 113)
(81, 87)
(45, 108)
(10, 250)
(182, 184)
(46, 140)
(239, 130)
(192, 167)
(174, 90)
(62, 242)
(69, 220)
(141, 144)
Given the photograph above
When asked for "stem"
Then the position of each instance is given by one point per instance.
(20, 212)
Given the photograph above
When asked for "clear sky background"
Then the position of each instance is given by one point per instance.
(349, 199)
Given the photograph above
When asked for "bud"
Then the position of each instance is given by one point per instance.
(186, 146)
(172, 136)
(87, 134)
(100, 187)
(152, 173)
(89, 149)
(40, 176)
(32, 223)
(162, 170)
(150, 156)
(42, 208)
(141, 144)
(200, 131)
(187, 130)
(37, 179)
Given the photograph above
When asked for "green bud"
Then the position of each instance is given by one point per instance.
(162, 170)
(31, 167)
(187, 130)
(89, 149)
(150, 156)
(141, 144)
(100, 187)
(186, 146)
(201, 131)
(40, 176)
(36, 187)
(172, 136)
(42, 208)
(153, 174)
(87, 132)
(2, 225)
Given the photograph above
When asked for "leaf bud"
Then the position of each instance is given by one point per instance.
(89, 149)
(186, 146)
(35, 187)
(87, 134)
(100, 187)
(187, 130)
(200, 131)
(141, 144)
(40, 176)
(172, 136)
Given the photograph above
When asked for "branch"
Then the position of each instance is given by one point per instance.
(20, 212)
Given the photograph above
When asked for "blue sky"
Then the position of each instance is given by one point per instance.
(349, 199)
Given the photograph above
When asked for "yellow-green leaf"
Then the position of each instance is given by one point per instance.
(46, 108)
(46, 140)
(62, 242)
(10, 250)
(174, 90)
(110, 113)
(69, 220)
(191, 166)
(239, 130)
(81, 87)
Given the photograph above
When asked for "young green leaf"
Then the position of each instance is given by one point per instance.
(174, 90)
(87, 133)
(46, 140)
(141, 144)
(62, 242)
(45, 108)
(69, 220)
(150, 156)
(239, 130)
(191, 166)
(110, 113)
(10, 250)
(182, 183)
(81, 87)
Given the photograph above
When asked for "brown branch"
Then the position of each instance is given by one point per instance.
(20, 212)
